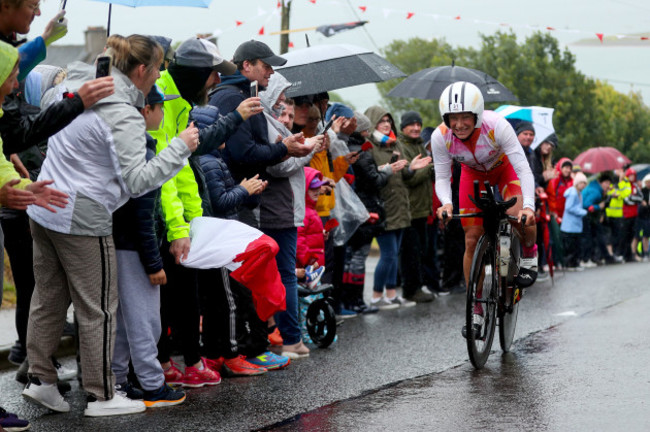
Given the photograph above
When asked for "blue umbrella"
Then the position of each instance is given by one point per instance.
(138, 3)
(540, 117)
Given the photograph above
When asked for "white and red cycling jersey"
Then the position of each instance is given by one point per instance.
(492, 148)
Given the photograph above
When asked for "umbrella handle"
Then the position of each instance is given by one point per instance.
(108, 26)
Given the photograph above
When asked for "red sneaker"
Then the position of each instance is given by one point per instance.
(238, 366)
(275, 338)
(215, 364)
(196, 378)
(173, 375)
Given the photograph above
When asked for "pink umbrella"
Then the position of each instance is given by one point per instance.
(598, 159)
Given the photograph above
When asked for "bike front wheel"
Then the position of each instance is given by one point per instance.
(481, 296)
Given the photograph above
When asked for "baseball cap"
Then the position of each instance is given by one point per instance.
(156, 96)
(256, 50)
(316, 183)
(203, 53)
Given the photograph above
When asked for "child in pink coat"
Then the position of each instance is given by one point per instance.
(310, 251)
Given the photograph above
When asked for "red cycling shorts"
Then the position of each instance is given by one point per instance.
(503, 176)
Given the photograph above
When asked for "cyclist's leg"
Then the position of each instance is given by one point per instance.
(473, 227)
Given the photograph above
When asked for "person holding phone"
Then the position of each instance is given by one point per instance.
(396, 201)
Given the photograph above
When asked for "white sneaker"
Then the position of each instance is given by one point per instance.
(63, 372)
(45, 394)
(383, 303)
(401, 301)
(119, 405)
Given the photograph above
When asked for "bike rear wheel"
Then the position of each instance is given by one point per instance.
(482, 290)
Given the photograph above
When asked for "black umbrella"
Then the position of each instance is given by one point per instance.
(429, 84)
(330, 67)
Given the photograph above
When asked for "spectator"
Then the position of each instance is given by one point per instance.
(526, 134)
(430, 262)
(311, 240)
(571, 227)
(140, 274)
(368, 182)
(108, 166)
(195, 70)
(630, 213)
(555, 192)
(386, 147)
(620, 190)
(420, 192)
(643, 221)
(594, 236)
(250, 151)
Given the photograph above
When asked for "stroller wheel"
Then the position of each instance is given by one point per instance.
(321, 323)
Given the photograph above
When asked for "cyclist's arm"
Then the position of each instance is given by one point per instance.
(442, 163)
(505, 136)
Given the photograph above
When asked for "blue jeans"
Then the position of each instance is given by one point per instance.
(386, 270)
(287, 321)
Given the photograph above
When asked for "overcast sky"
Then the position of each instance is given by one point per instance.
(577, 19)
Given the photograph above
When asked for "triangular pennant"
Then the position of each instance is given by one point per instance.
(409, 15)
(550, 28)
(457, 18)
(279, 5)
(238, 23)
(261, 32)
(644, 38)
(600, 36)
(363, 8)
(291, 45)
(312, 1)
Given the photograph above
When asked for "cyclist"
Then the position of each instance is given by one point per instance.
(487, 148)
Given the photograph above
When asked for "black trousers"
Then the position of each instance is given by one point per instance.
(414, 246)
(18, 243)
(454, 249)
(572, 252)
(179, 311)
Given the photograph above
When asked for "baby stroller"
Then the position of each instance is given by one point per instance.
(319, 317)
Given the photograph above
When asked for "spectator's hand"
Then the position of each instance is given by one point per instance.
(93, 91)
(297, 146)
(327, 188)
(319, 142)
(549, 174)
(191, 137)
(644, 203)
(349, 126)
(602, 205)
(254, 185)
(56, 28)
(351, 158)
(398, 166)
(47, 197)
(419, 162)
(250, 107)
(14, 198)
(300, 273)
(158, 278)
(18, 165)
(180, 249)
(338, 123)
(530, 216)
(449, 209)
(539, 190)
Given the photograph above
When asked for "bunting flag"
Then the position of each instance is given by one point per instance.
(331, 30)
(408, 14)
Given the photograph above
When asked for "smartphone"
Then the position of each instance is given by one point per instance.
(103, 66)
(327, 126)
(394, 158)
(254, 89)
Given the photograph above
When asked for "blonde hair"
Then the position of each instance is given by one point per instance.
(132, 51)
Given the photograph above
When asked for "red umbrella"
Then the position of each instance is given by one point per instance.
(598, 159)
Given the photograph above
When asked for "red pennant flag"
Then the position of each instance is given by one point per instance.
(261, 32)
(457, 18)
(291, 45)
(363, 8)
(550, 28)
(409, 15)
(644, 38)
(312, 1)
(279, 5)
(600, 36)
(238, 23)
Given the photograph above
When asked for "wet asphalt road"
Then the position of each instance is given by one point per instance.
(580, 363)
